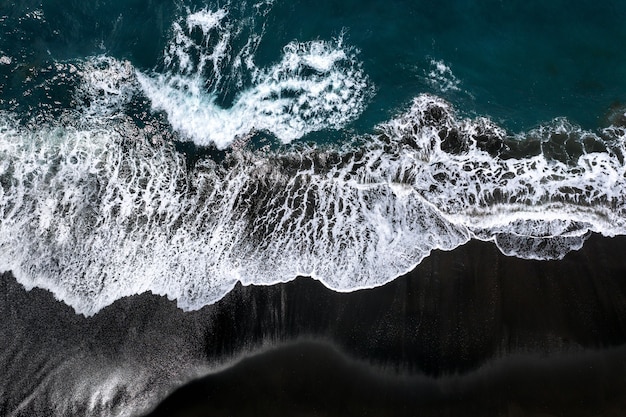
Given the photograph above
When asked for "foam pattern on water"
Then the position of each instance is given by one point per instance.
(95, 209)
(94, 218)
(316, 85)
(441, 77)
(107, 85)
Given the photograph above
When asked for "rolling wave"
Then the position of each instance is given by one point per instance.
(98, 204)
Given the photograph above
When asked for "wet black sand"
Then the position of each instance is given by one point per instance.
(468, 332)
(313, 379)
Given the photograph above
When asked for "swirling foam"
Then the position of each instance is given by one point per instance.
(440, 76)
(316, 85)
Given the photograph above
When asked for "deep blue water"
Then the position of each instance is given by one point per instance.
(519, 62)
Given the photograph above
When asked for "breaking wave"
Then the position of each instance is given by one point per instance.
(102, 209)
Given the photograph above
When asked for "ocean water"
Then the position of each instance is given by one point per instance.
(185, 147)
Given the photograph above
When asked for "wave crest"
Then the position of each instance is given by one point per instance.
(111, 209)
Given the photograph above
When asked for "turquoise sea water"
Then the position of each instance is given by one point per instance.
(519, 62)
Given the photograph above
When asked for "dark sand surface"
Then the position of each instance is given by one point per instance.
(468, 332)
(313, 379)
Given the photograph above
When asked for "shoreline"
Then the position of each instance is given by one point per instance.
(455, 314)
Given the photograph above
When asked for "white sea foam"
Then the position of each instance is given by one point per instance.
(532, 207)
(107, 85)
(93, 222)
(188, 56)
(316, 85)
(440, 76)
(104, 211)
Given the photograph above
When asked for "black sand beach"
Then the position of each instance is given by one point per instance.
(155, 153)
(313, 379)
(468, 332)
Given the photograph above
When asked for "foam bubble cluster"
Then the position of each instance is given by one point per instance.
(316, 85)
(107, 85)
(440, 76)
